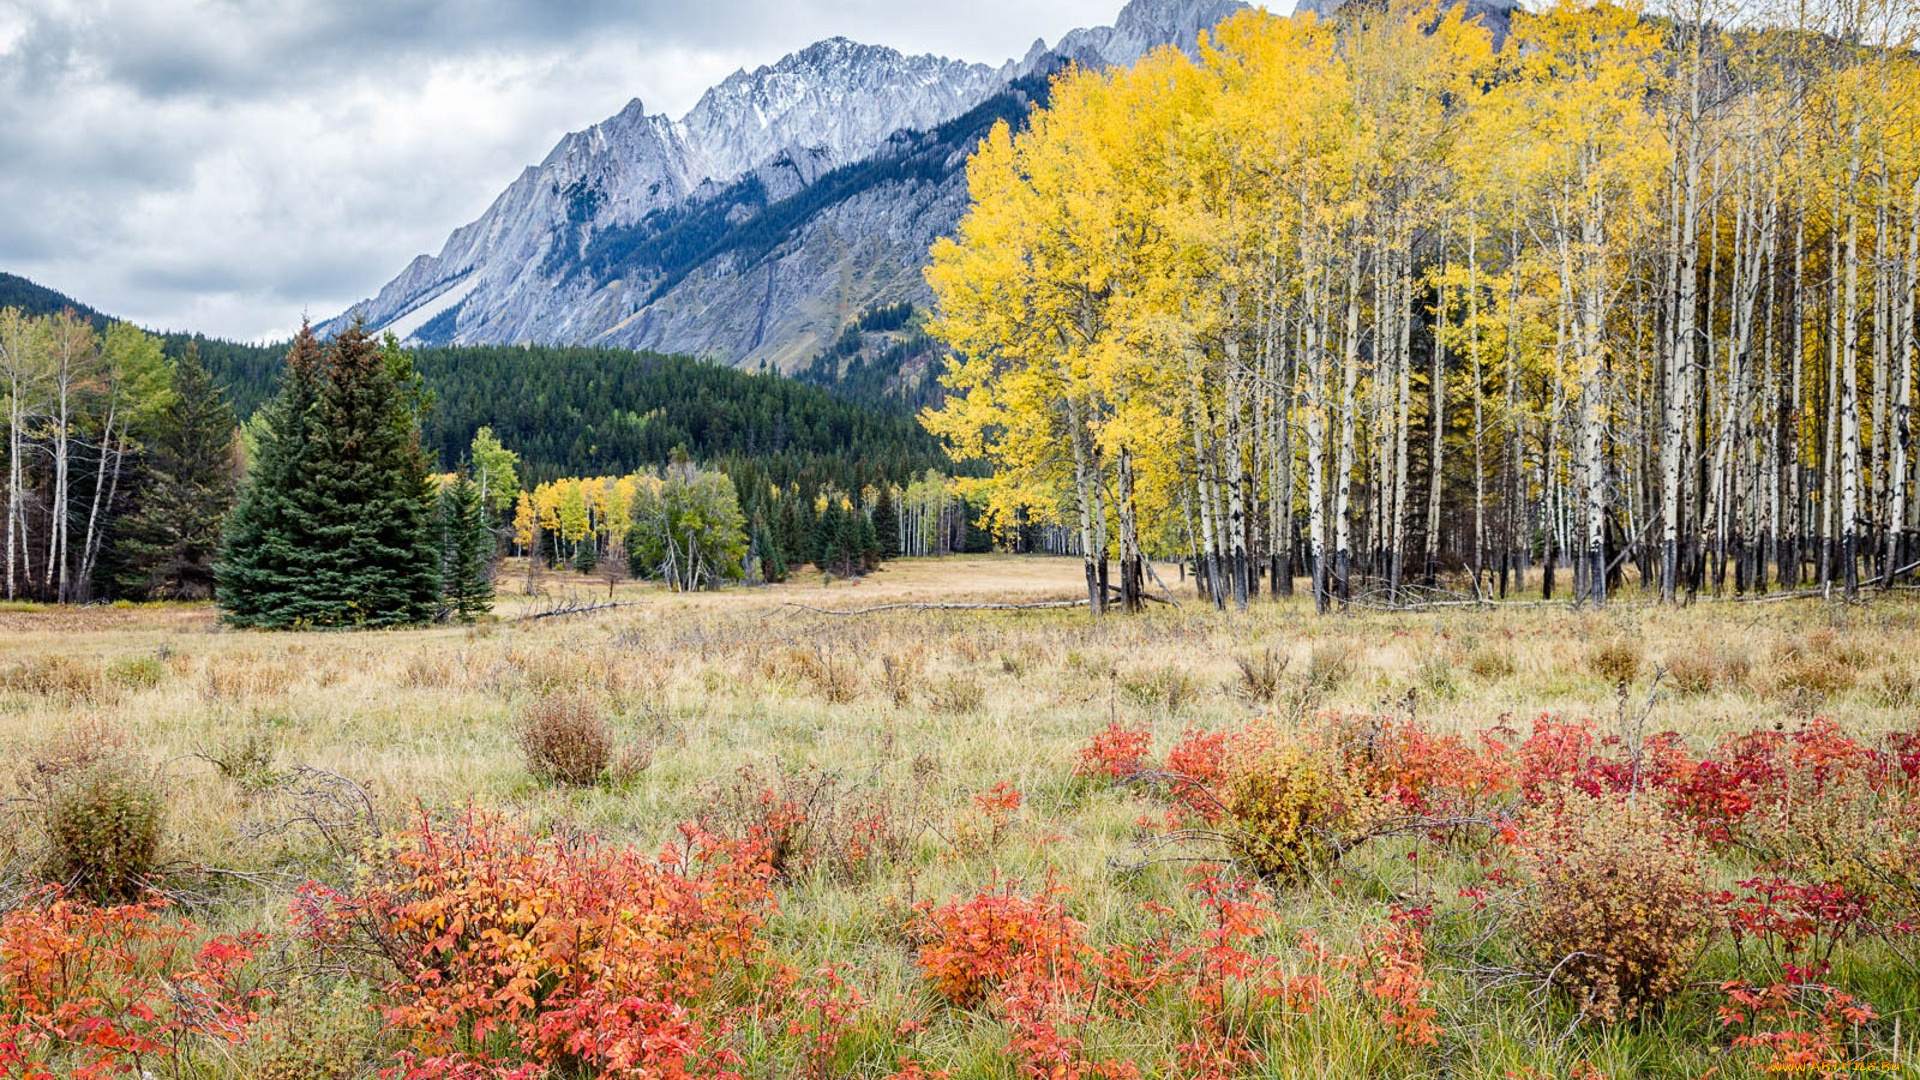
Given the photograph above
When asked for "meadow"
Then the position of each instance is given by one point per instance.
(1518, 841)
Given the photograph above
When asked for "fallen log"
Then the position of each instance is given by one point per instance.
(1040, 606)
(570, 609)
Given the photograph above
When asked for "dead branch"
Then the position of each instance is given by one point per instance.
(1042, 605)
(573, 608)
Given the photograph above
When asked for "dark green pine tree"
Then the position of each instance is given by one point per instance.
(886, 525)
(169, 541)
(830, 538)
(787, 533)
(866, 551)
(586, 555)
(337, 530)
(773, 560)
(466, 551)
(267, 548)
(763, 552)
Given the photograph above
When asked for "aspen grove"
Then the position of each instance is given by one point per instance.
(1627, 296)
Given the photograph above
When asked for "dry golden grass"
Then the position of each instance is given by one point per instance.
(942, 704)
(738, 677)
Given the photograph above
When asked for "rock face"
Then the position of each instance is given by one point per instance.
(786, 202)
(1495, 14)
(836, 98)
(1143, 26)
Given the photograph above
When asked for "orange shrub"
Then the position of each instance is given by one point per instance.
(570, 955)
(1393, 973)
(1028, 961)
(973, 946)
(985, 822)
(1429, 773)
(1801, 1026)
(91, 992)
(1228, 984)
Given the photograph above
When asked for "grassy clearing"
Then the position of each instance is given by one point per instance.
(705, 701)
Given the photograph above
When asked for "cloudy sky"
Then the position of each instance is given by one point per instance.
(225, 165)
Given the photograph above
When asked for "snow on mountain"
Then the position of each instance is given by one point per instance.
(837, 95)
(787, 200)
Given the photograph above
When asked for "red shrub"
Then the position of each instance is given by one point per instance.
(1792, 922)
(826, 1008)
(973, 946)
(1393, 972)
(1824, 754)
(1905, 747)
(1720, 792)
(101, 991)
(1194, 772)
(1115, 753)
(1803, 1025)
(1560, 757)
(1428, 773)
(1773, 772)
(1557, 754)
(581, 957)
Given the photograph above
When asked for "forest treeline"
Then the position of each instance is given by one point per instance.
(123, 463)
(1632, 295)
(576, 411)
(696, 528)
(120, 462)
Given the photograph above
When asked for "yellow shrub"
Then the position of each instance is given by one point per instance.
(1617, 908)
(1292, 800)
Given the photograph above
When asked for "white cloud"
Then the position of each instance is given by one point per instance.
(225, 165)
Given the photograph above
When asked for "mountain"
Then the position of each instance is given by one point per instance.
(577, 412)
(787, 202)
(246, 372)
(18, 292)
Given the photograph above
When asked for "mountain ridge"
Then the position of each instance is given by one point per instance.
(712, 235)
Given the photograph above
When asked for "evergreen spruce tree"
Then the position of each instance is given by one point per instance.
(886, 524)
(829, 537)
(466, 551)
(267, 548)
(171, 537)
(867, 551)
(335, 525)
(586, 555)
(786, 528)
(762, 549)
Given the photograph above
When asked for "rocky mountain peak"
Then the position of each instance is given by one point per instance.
(790, 195)
(1145, 25)
(837, 96)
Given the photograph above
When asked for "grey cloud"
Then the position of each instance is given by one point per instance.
(223, 164)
